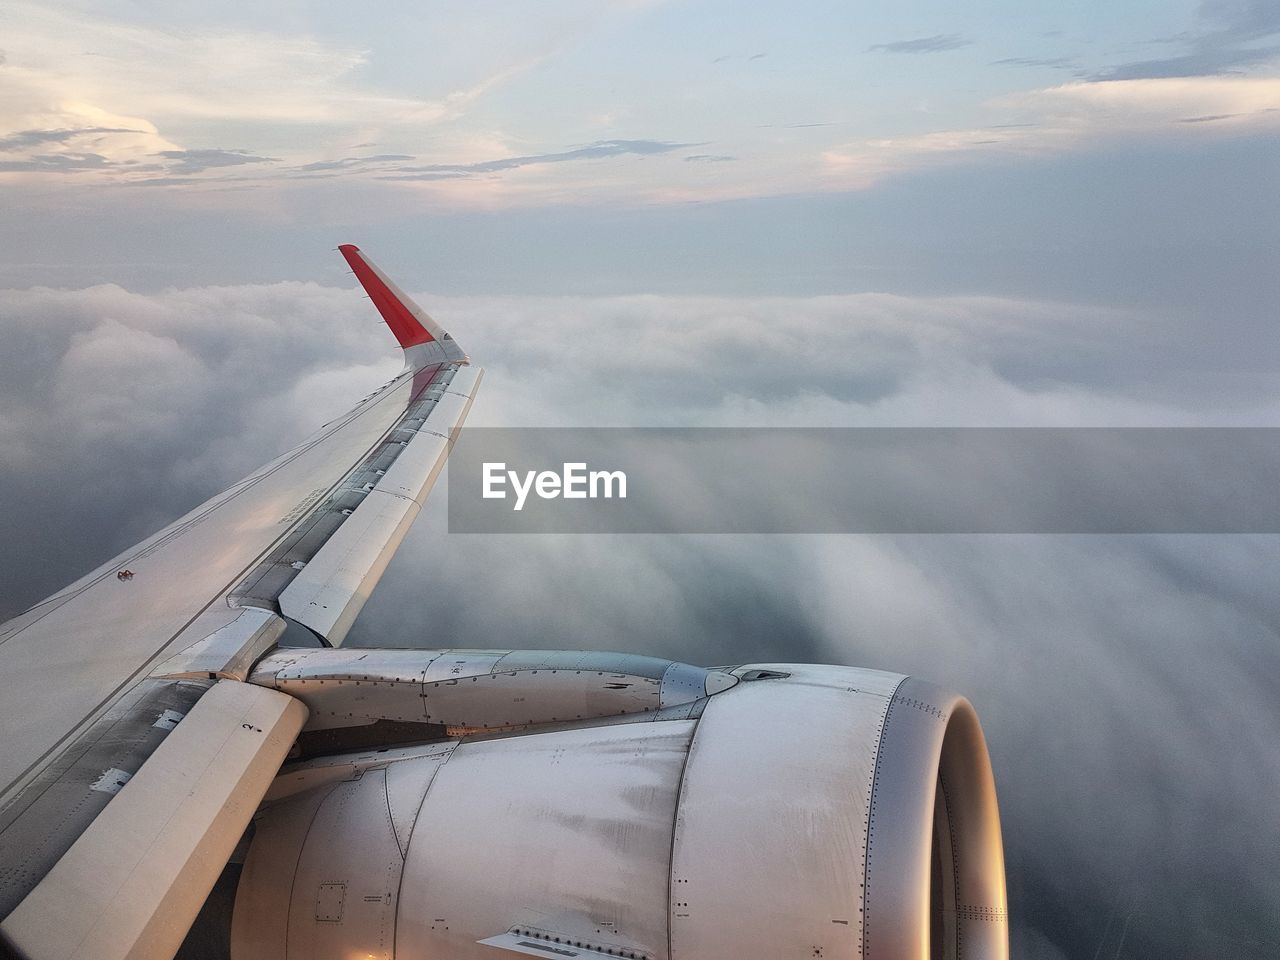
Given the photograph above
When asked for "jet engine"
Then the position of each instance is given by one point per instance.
(570, 805)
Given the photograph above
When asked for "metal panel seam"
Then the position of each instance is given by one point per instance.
(949, 807)
(871, 818)
(395, 923)
(675, 822)
(293, 876)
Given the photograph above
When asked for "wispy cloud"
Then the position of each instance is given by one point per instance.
(593, 151)
(166, 181)
(197, 161)
(1067, 117)
(23, 139)
(1056, 63)
(1210, 59)
(938, 43)
(351, 163)
(32, 126)
(178, 163)
(56, 163)
(748, 58)
(427, 176)
(1225, 40)
(205, 79)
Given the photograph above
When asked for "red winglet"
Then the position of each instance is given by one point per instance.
(403, 316)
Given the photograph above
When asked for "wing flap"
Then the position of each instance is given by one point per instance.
(334, 585)
(133, 882)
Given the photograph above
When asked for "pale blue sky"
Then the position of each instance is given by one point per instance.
(125, 124)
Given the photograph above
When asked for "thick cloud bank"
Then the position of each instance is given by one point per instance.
(1127, 684)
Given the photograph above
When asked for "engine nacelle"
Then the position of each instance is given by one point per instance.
(803, 811)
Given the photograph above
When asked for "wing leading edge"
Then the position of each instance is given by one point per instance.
(305, 538)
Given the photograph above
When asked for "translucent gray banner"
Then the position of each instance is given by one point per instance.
(866, 480)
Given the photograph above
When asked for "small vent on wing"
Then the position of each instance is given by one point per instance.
(542, 943)
(764, 675)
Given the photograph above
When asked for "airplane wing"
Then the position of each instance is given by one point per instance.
(94, 680)
(179, 772)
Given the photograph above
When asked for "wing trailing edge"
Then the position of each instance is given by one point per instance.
(336, 582)
(133, 882)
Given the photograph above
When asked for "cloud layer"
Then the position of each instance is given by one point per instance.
(1125, 683)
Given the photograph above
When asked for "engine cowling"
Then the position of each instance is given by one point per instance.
(803, 811)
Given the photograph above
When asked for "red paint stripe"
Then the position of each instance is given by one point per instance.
(399, 317)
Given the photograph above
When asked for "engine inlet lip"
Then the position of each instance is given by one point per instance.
(933, 795)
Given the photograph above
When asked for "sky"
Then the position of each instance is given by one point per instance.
(705, 214)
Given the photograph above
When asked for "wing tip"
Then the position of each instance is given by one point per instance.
(404, 317)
